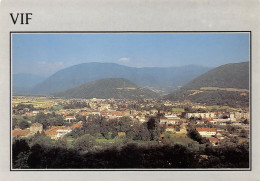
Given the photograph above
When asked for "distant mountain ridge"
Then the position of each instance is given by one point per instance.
(225, 85)
(167, 79)
(22, 83)
(117, 88)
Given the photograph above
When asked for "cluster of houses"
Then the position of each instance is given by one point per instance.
(55, 132)
(174, 122)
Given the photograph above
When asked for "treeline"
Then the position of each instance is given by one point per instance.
(129, 156)
(20, 107)
(76, 105)
(49, 119)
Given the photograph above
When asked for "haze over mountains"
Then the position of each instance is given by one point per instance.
(117, 88)
(165, 79)
(225, 85)
(23, 83)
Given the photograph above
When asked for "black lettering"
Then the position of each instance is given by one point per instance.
(14, 20)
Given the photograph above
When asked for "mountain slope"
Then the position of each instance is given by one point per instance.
(117, 88)
(224, 85)
(166, 79)
(235, 75)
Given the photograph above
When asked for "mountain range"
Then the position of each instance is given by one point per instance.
(224, 85)
(165, 79)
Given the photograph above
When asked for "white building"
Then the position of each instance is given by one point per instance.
(202, 115)
(207, 132)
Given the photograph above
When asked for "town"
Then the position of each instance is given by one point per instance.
(107, 123)
(215, 124)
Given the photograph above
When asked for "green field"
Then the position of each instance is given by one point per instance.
(177, 110)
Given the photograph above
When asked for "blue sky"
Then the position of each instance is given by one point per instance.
(44, 54)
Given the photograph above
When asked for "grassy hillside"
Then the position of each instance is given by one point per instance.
(234, 75)
(117, 88)
(224, 85)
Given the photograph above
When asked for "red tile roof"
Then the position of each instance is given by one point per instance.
(76, 125)
(208, 119)
(53, 130)
(212, 139)
(121, 133)
(20, 132)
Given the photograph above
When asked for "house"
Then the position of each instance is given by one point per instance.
(76, 125)
(170, 128)
(214, 141)
(35, 112)
(201, 115)
(210, 120)
(207, 132)
(169, 121)
(171, 116)
(222, 122)
(36, 127)
(20, 133)
(70, 118)
(121, 134)
(56, 132)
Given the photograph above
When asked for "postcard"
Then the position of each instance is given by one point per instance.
(129, 90)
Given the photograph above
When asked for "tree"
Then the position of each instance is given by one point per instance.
(19, 146)
(194, 134)
(153, 127)
(22, 160)
(243, 133)
(37, 157)
(14, 123)
(42, 140)
(84, 143)
(23, 124)
(61, 143)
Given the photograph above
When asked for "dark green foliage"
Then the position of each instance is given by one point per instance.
(108, 88)
(37, 157)
(24, 106)
(84, 143)
(131, 156)
(19, 150)
(99, 127)
(76, 105)
(21, 161)
(50, 119)
(24, 124)
(42, 140)
(14, 123)
(194, 134)
(228, 156)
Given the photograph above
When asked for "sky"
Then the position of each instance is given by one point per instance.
(45, 54)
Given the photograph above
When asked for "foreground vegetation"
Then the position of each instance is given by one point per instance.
(27, 154)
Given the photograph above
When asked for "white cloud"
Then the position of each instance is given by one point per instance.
(51, 64)
(124, 59)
